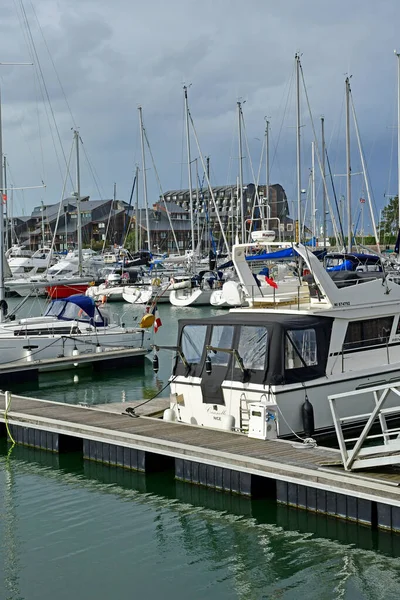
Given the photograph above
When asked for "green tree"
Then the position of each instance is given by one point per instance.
(130, 240)
(389, 224)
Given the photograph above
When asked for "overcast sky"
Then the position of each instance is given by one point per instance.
(112, 56)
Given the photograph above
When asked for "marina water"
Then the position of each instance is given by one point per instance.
(74, 529)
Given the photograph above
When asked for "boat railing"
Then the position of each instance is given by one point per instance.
(365, 451)
(372, 343)
(263, 297)
(340, 283)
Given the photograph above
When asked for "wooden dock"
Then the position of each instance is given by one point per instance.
(20, 371)
(296, 475)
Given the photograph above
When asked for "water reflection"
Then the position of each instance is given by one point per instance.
(9, 545)
(219, 545)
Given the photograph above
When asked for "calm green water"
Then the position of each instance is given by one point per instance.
(73, 529)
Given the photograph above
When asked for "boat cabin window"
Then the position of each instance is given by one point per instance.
(253, 345)
(28, 269)
(222, 336)
(366, 333)
(300, 348)
(337, 262)
(192, 342)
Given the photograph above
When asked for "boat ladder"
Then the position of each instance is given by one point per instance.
(244, 414)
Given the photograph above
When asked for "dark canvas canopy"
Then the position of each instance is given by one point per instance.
(76, 308)
(272, 335)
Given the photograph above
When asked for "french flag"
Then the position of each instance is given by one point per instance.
(271, 282)
(157, 320)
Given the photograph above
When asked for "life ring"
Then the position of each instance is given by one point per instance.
(156, 281)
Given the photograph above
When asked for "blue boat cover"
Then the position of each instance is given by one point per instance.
(84, 302)
(285, 253)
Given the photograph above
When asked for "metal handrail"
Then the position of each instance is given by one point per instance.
(361, 456)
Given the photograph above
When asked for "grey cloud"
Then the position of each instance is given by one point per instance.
(113, 56)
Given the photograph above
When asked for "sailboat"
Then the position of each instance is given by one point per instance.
(198, 292)
(68, 327)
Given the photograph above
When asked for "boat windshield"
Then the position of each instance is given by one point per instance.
(69, 311)
(253, 347)
(193, 338)
(55, 308)
(222, 336)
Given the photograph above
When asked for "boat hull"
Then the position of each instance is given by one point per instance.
(56, 292)
(190, 297)
(52, 345)
(285, 402)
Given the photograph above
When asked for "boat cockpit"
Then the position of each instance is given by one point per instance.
(77, 308)
(266, 349)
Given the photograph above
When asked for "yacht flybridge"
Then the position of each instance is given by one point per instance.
(269, 368)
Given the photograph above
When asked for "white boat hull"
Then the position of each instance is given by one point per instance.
(137, 295)
(52, 345)
(190, 297)
(285, 401)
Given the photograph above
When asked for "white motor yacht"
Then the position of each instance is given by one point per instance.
(280, 362)
(28, 266)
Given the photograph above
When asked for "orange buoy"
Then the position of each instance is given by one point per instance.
(147, 321)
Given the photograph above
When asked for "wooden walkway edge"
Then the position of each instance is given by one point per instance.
(309, 478)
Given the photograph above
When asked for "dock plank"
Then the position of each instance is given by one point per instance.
(275, 459)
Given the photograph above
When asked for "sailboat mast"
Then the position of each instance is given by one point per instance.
(146, 204)
(398, 133)
(189, 169)
(137, 211)
(42, 224)
(2, 257)
(198, 208)
(313, 195)
(324, 184)
(6, 200)
(298, 126)
(11, 215)
(267, 208)
(348, 162)
(240, 197)
(78, 203)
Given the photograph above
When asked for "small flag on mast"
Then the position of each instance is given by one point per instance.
(157, 320)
